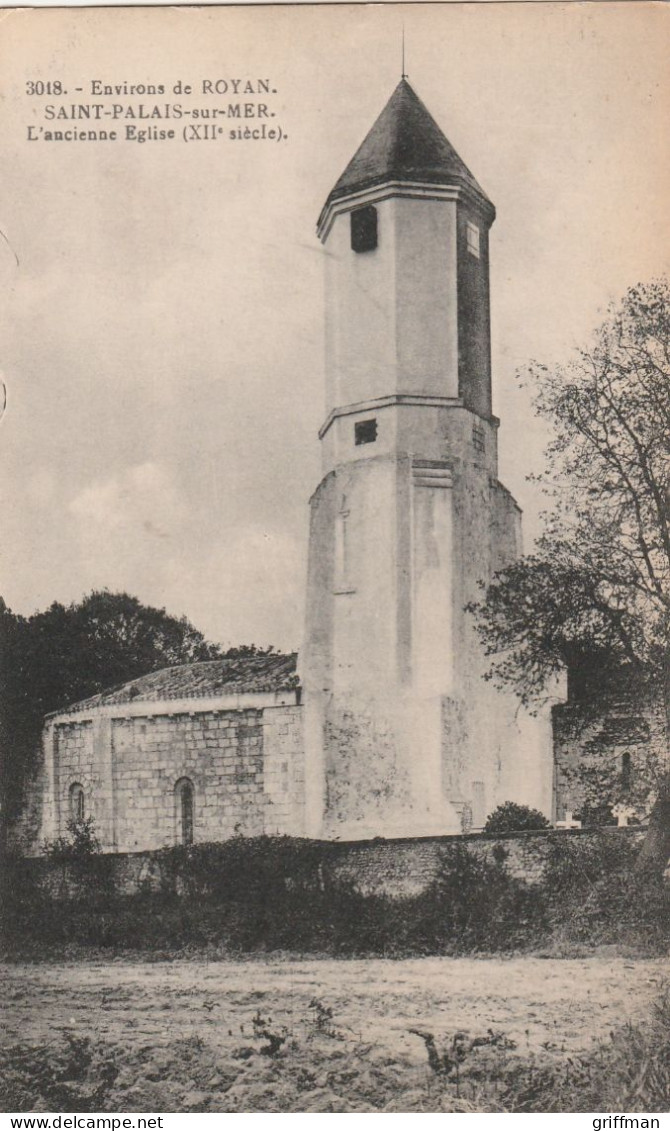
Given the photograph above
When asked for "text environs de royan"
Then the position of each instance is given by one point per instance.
(223, 86)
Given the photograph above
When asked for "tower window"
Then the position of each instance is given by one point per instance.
(184, 806)
(472, 233)
(478, 439)
(364, 228)
(365, 431)
(77, 802)
(626, 770)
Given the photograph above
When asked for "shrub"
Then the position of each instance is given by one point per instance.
(278, 894)
(597, 897)
(473, 905)
(80, 843)
(512, 818)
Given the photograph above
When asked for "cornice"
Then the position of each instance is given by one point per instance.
(184, 705)
(413, 190)
(414, 399)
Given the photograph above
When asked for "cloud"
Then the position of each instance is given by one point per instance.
(40, 487)
(238, 582)
(246, 587)
(140, 500)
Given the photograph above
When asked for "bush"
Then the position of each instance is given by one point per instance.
(80, 843)
(596, 896)
(513, 818)
(277, 894)
(474, 905)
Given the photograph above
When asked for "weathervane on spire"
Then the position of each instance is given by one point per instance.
(403, 75)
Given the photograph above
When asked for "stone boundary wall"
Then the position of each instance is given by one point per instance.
(401, 868)
(397, 868)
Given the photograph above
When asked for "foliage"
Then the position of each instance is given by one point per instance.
(475, 904)
(510, 818)
(79, 845)
(322, 1019)
(597, 588)
(68, 653)
(595, 897)
(594, 596)
(72, 1074)
(586, 896)
(273, 1038)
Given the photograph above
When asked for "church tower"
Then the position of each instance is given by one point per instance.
(403, 735)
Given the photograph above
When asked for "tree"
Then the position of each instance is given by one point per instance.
(67, 653)
(596, 590)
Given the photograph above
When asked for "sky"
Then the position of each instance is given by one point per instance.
(161, 322)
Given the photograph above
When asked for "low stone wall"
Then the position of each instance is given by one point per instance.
(406, 867)
(397, 868)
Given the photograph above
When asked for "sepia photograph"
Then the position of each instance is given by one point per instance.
(335, 559)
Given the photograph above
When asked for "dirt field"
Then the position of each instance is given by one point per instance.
(182, 1036)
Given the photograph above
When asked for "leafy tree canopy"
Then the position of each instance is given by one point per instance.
(594, 596)
(597, 586)
(71, 652)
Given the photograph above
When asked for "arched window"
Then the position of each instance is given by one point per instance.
(77, 802)
(184, 810)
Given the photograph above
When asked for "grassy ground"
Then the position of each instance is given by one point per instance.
(433, 1034)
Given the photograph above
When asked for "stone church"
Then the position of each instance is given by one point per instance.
(389, 729)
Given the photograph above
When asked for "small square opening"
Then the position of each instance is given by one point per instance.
(365, 431)
(364, 228)
(472, 232)
(478, 438)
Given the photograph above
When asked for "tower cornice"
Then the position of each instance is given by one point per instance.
(413, 399)
(415, 190)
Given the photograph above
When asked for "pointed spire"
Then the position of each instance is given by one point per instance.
(404, 144)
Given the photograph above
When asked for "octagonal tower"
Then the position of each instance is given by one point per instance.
(403, 736)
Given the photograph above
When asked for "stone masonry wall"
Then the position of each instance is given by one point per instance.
(245, 767)
(283, 771)
(392, 867)
(221, 754)
(77, 761)
(402, 868)
(608, 754)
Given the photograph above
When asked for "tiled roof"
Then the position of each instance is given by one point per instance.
(263, 671)
(404, 144)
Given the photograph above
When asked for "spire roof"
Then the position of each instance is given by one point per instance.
(404, 144)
